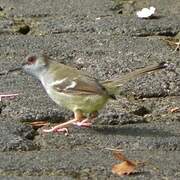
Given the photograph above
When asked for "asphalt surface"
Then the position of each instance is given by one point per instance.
(106, 39)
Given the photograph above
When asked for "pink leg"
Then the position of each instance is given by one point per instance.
(84, 123)
(63, 127)
(65, 130)
(7, 96)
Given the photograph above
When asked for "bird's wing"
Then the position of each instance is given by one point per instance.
(81, 85)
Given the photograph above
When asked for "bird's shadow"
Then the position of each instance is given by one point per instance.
(133, 131)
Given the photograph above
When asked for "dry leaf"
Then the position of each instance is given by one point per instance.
(126, 167)
(119, 156)
(173, 43)
(174, 110)
(38, 124)
(113, 149)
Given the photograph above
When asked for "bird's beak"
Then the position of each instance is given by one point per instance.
(11, 70)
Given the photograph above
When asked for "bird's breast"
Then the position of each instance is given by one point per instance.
(85, 103)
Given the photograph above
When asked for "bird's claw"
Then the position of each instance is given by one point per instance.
(57, 130)
(83, 123)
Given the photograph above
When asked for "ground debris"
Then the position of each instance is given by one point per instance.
(127, 167)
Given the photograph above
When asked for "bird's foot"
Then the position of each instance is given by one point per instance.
(84, 123)
(61, 127)
(56, 129)
(79, 120)
(87, 122)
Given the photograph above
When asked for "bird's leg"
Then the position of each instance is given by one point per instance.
(78, 116)
(87, 122)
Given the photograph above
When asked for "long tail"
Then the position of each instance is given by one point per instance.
(113, 84)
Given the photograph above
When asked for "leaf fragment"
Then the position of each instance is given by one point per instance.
(174, 43)
(38, 124)
(175, 110)
(127, 167)
(124, 168)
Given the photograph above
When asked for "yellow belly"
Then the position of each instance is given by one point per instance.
(85, 103)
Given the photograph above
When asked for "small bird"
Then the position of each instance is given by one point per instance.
(77, 90)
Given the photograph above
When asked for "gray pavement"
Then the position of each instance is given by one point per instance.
(106, 39)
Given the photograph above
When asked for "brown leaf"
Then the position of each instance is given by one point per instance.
(174, 110)
(124, 168)
(38, 124)
(119, 156)
(173, 43)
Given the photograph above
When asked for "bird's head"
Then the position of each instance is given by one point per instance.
(35, 64)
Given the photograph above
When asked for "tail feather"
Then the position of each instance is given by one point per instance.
(114, 84)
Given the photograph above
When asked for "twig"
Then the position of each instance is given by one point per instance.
(8, 96)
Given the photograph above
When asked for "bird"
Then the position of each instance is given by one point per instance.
(76, 90)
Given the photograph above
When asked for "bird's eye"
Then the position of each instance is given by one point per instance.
(31, 60)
